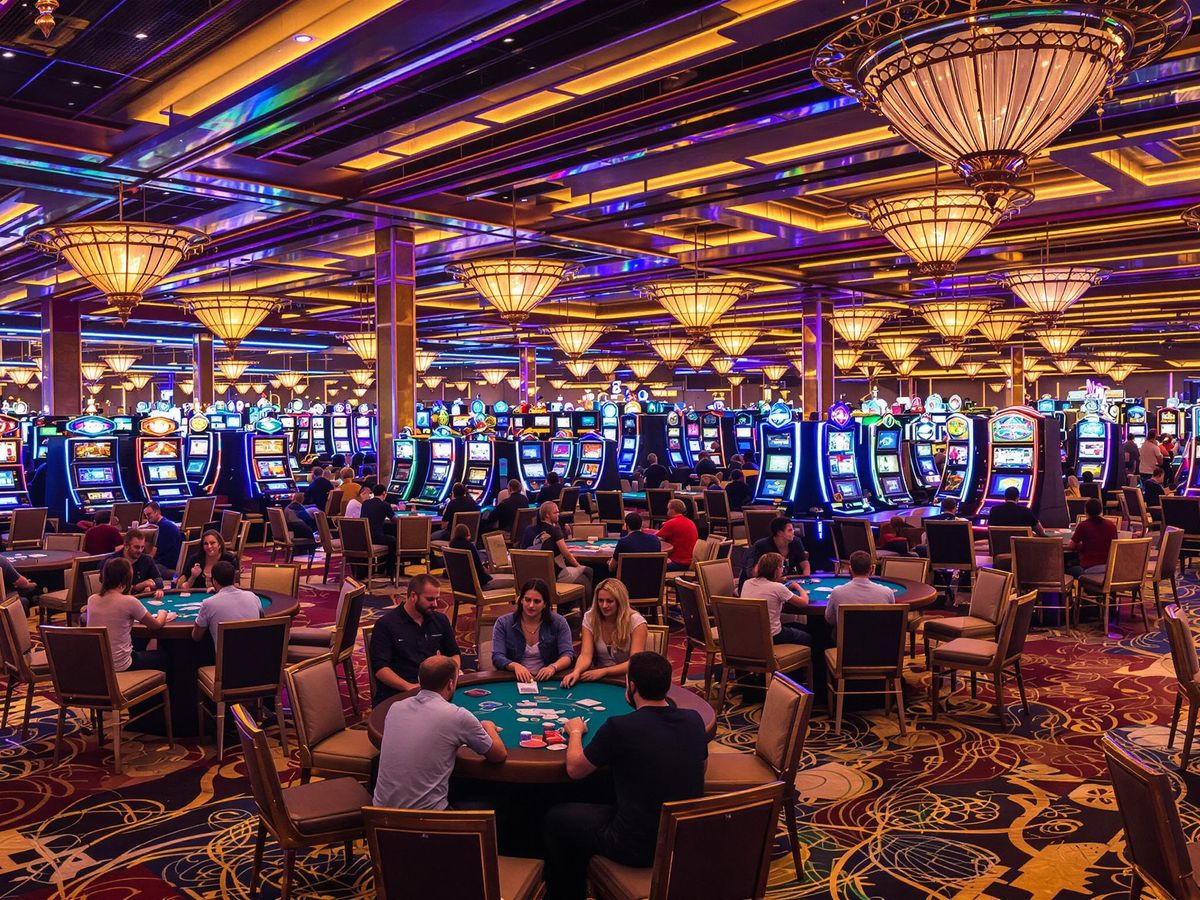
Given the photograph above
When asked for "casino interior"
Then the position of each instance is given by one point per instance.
(872, 317)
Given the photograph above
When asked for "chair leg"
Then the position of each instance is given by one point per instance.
(1188, 735)
(28, 711)
(220, 719)
(283, 737)
(789, 815)
(167, 718)
(974, 686)
(259, 839)
(1175, 720)
(724, 689)
(687, 659)
(710, 664)
(12, 686)
(998, 684)
(1021, 687)
(116, 739)
(351, 685)
(289, 867)
(1136, 884)
(900, 704)
(839, 696)
(58, 736)
(200, 717)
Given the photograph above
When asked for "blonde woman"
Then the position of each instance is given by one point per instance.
(612, 632)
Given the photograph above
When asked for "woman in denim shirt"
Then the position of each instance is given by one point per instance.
(533, 642)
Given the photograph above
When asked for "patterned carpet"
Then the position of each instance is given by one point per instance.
(961, 808)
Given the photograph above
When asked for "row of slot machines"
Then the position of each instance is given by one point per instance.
(315, 437)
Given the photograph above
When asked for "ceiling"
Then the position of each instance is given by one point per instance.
(636, 137)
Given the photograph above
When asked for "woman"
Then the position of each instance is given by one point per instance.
(612, 632)
(198, 567)
(1072, 490)
(461, 540)
(1092, 539)
(533, 642)
(115, 610)
(767, 584)
(892, 536)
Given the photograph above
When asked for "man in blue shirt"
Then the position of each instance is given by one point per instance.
(635, 540)
(166, 543)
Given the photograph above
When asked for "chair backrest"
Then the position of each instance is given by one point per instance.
(349, 614)
(951, 543)
(356, 536)
(186, 549)
(717, 505)
(1038, 564)
(316, 700)
(568, 501)
(471, 520)
(231, 522)
(412, 533)
(81, 665)
(529, 564)
(433, 853)
(1169, 549)
(1183, 650)
(741, 823)
(283, 578)
(485, 626)
(27, 525)
(368, 631)
(91, 583)
(990, 592)
(15, 641)
(870, 638)
(324, 532)
(656, 501)
(783, 726)
(696, 623)
(1000, 538)
(611, 507)
(657, 639)
(524, 519)
(705, 549)
(644, 575)
(197, 512)
(278, 525)
(745, 629)
(497, 549)
(1076, 507)
(251, 656)
(335, 503)
(758, 522)
(716, 578)
(724, 550)
(912, 568)
(1135, 503)
(1089, 490)
(460, 570)
(78, 584)
(69, 542)
(127, 512)
(1127, 560)
(264, 777)
(585, 530)
(1182, 512)
(1014, 626)
(1154, 840)
(855, 535)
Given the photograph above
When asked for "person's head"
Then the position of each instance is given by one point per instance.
(649, 678)
(438, 674)
(1159, 474)
(224, 574)
(135, 544)
(318, 472)
(612, 601)
(514, 486)
(707, 481)
(1094, 508)
(736, 475)
(368, 471)
(298, 498)
(548, 512)
(860, 563)
(782, 530)
(676, 507)
(1152, 436)
(1089, 476)
(633, 521)
(346, 474)
(533, 600)
(704, 454)
(652, 459)
(364, 493)
(769, 566)
(212, 544)
(897, 523)
(117, 575)
(152, 512)
(103, 517)
(379, 490)
(1012, 494)
(552, 478)
(458, 491)
(423, 593)
(949, 505)
(461, 533)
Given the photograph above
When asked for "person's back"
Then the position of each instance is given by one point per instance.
(550, 492)
(102, 537)
(1093, 537)
(655, 475)
(638, 542)
(1150, 456)
(117, 612)
(1013, 515)
(228, 604)
(860, 589)
(318, 490)
(506, 510)
(738, 493)
(377, 511)
(167, 542)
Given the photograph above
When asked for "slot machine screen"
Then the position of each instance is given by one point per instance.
(839, 442)
(841, 465)
(776, 463)
(887, 465)
(1091, 429)
(673, 444)
(531, 451)
(592, 451)
(198, 447)
(161, 473)
(96, 474)
(891, 485)
(476, 475)
(588, 421)
(460, 422)
(927, 467)
(430, 492)
(8, 478)
(560, 448)
(956, 455)
(887, 440)
(952, 482)
(269, 447)
(94, 450)
(1091, 448)
(195, 467)
(161, 450)
(774, 487)
(440, 449)
(8, 451)
(405, 451)
(1094, 467)
(270, 468)
(693, 430)
(541, 421)
(536, 470)
(779, 441)
(422, 419)
(1001, 483)
(439, 472)
(847, 488)
(1013, 457)
(589, 470)
(479, 451)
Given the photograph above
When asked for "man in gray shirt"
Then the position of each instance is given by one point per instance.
(859, 589)
(421, 738)
(228, 604)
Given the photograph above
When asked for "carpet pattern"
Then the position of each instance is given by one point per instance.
(959, 808)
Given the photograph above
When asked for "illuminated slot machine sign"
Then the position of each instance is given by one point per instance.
(675, 451)
(1013, 454)
(1135, 423)
(423, 421)
(340, 434)
(886, 470)
(480, 457)
(13, 491)
(841, 486)
(693, 441)
(743, 432)
(531, 462)
(201, 453)
(94, 476)
(1170, 421)
(591, 460)
(562, 456)
(610, 421)
(958, 475)
(364, 434)
(159, 451)
(404, 462)
(503, 414)
(303, 434)
(562, 423)
(1094, 448)
(270, 471)
(779, 441)
(630, 442)
(443, 461)
(585, 422)
(318, 426)
(710, 437)
(922, 434)
(43, 430)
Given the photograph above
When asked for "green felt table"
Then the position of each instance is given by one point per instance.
(915, 593)
(601, 548)
(31, 561)
(186, 604)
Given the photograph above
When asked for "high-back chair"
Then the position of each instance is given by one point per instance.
(853, 535)
(357, 548)
(1165, 566)
(471, 520)
(1038, 565)
(1187, 668)
(870, 647)
(912, 568)
(587, 507)
(716, 579)
(55, 541)
(1076, 507)
(524, 519)
(186, 550)
(339, 647)
(1136, 511)
(368, 632)
(529, 564)
(1184, 513)
(81, 670)
(413, 535)
(335, 503)
(1000, 539)
(445, 853)
(22, 664)
(1089, 490)
(745, 631)
(26, 528)
(331, 547)
(951, 547)
(231, 523)
(758, 522)
(74, 596)
(283, 540)
(993, 588)
(197, 513)
(1124, 574)
(568, 504)
(465, 587)
(127, 512)
(282, 578)
(585, 530)
(658, 638)
(327, 746)
(497, 552)
(721, 519)
(656, 504)
(610, 506)
(645, 577)
(698, 629)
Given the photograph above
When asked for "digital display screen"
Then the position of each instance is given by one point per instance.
(479, 451)
(270, 468)
(1091, 448)
(839, 442)
(422, 419)
(93, 449)
(592, 450)
(160, 450)
(952, 482)
(848, 489)
(887, 465)
(8, 478)
(96, 474)
(927, 467)
(541, 421)
(531, 451)
(841, 465)
(1012, 457)
(774, 487)
(587, 420)
(8, 451)
(560, 448)
(431, 492)
(892, 485)
(673, 444)
(405, 450)
(887, 440)
(779, 441)
(693, 430)
(777, 463)
(477, 475)
(269, 447)
(47, 431)
(589, 470)
(441, 449)
(956, 455)
(161, 472)
(1094, 467)
(198, 447)
(439, 472)
(1001, 483)
(195, 467)
(1091, 428)
(535, 470)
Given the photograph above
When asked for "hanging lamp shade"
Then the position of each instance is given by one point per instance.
(1066, 365)
(774, 371)
(231, 317)
(954, 317)
(643, 368)
(513, 285)
(362, 377)
(290, 379)
(493, 376)
(122, 260)
(697, 356)
(1102, 365)
(735, 340)
(870, 368)
(243, 388)
(423, 359)
(22, 376)
(1121, 371)
(120, 362)
(1034, 369)
(233, 369)
(905, 367)
(275, 383)
(945, 355)
(92, 371)
(139, 380)
(897, 347)
(845, 358)
(431, 381)
(737, 380)
(1049, 291)
(997, 386)
(461, 386)
(983, 86)
(359, 392)
(1006, 366)
(972, 367)
(219, 387)
(607, 364)
(722, 365)
(936, 228)
(186, 387)
(1059, 340)
(576, 338)
(94, 389)
(579, 367)
(513, 382)
(670, 348)
(558, 383)
(1000, 325)
(364, 343)
(856, 324)
(697, 303)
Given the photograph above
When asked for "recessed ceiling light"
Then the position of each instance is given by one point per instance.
(141, 35)
(8, 54)
(302, 38)
(74, 82)
(508, 40)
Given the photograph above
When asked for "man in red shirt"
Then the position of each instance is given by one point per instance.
(104, 536)
(1091, 540)
(680, 532)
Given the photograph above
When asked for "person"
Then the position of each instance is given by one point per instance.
(366, 476)
(737, 490)
(634, 540)
(784, 541)
(197, 568)
(460, 501)
(229, 604)
(1014, 514)
(421, 738)
(406, 635)
(551, 490)
(1091, 540)
(15, 581)
(104, 537)
(680, 532)
(1072, 489)
(347, 485)
(317, 493)
(545, 534)
(892, 536)
(533, 642)
(1150, 456)
(117, 612)
(300, 521)
(939, 458)
(145, 577)
(859, 589)
(1088, 486)
(612, 632)
(705, 464)
(505, 513)
(1155, 489)
(460, 539)
(767, 584)
(710, 483)
(167, 541)
(355, 504)
(379, 515)
(657, 754)
(655, 473)
(1130, 456)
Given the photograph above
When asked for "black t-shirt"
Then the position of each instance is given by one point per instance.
(318, 492)
(378, 513)
(400, 644)
(657, 754)
(457, 505)
(549, 492)
(655, 475)
(795, 557)
(738, 493)
(1154, 493)
(506, 510)
(544, 536)
(1013, 515)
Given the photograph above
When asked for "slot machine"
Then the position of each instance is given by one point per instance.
(1171, 420)
(445, 468)
(693, 441)
(503, 414)
(303, 452)
(1096, 451)
(1023, 452)
(531, 463)
(1136, 425)
(1190, 469)
(586, 421)
(409, 461)
(160, 466)
(563, 424)
(597, 468)
(42, 429)
(884, 462)
(920, 446)
(422, 421)
(539, 424)
(270, 468)
(610, 421)
(85, 469)
(631, 439)
(962, 474)
(319, 436)
(779, 471)
(13, 491)
(366, 439)
(202, 454)
(837, 462)
(716, 436)
(562, 457)
(745, 434)
(676, 454)
(339, 434)
(481, 463)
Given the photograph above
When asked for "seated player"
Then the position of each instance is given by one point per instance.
(104, 536)
(892, 537)
(511, 500)
(1071, 492)
(546, 534)
(532, 642)
(680, 532)
(300, 522)
(460, 539)
(634, 540)
(15, 581)
(408, 634)
(1092, 539)
(612, 632)
(859, 589)
(657, 754)
(115, 610)
(197, 568)
(355, 504)
(421, 738)
(380, 518)
(551, 490)
(784, 541)
(1011, 513)
(145, 572)
(319, 488)
(655, 473)
(460, 501)
(767, 584)
(167, 540)
(1156, 488)
(228, 604)
(736, 490)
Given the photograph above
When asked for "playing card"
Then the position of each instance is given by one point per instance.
(477, 692)
(489, 705)
(527, 687)
(587, 701)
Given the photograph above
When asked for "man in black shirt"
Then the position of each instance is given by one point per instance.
(1155, 488)
(737, 490)
(1011, 514)
(784, 541)
(634, 540)
(317, 494)
(505, 512)
(146, 578)
(655, 474)
(705, 465)
(460, 501)
(657, 754)
(551, 490)
(378, 513)
(408, 634)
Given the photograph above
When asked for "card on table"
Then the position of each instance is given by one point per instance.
(489, 705)
(477, 692)
(527, 687)
(587, 701)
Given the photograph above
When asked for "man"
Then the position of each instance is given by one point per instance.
(1130, 456)
(551, 490)
(145, 572)
(859, 589)
(680, 532)
(407, 635)
(103, 537)
(319, 488)
(227, 604)
(421, 737)
(657, 754)
(355, 505)
(378, 513)
(15, 581)
(546, 534)
(1150, 457)
(1012, 514)
(655, 474)
(505, 513)
(634, 540)
(705, 464)
(1155, 488)
(460, 501)
(167, 541)
(300, 522)
(1091, 541)
(784, 541)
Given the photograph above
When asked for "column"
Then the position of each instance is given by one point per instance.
(1016, 390)
(528, 363)
(817, 384)
(62, 384)
(396, 335)
(203, 366)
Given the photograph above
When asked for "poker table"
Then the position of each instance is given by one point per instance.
(31, 562)
(639, 497)
(599, 550)
(917, 594)
(513, 713)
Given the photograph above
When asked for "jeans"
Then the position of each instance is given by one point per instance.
(673, 566)
(792, 634)
(575, 832)
(149, 659)
(1076, 571)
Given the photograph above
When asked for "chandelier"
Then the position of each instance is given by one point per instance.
(186, 386)
(359, 392)
(364, 343)
(845, 358)
(579, 367)
(972, 367)
(362, 377)
(514, 382)
(734, 340)
(120, 362)
(219, 387)
(230, 316)
(1034, 369)
(432, 381)
(945, 355)
(774, 371)
(460, 386)
(575, 338)
(1121, 371)
(493, 376)
(21, 377)
(275, 383)
(983, 86)
(1049, 290)
(139, 380)
(558, 383)
(1067, 364)
(514, 285)
(953, 318)
(670, 348)
(92, 371)
(423, 359)
(1059, 340)
(737, 380)
(607, 364)
(1102, 365)
(94, 389)
(722, 365)
(232, 369)
(697, 356)
(696, 304)
(290, 379)
(642, 368)
(856, 324)
(997, 386)
(937, 227)
(871, 368)
(905, 367)
(896, 346)
(1002, 324)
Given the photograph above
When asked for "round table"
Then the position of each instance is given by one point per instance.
(29, 562)
(601, 549)
(917, 594)
(502, 704)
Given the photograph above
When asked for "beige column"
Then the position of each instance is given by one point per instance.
(1016, 391)
(817, 393)
(396, 335)
(62, 385)
(203, 366)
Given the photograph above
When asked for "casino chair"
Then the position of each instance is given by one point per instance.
(583, 531)
(658, 638)
(1165, 565)
(307, 815)
(368, 631)
(698, 629)
(250, 659)
(496, 548)
(1136, 511)
(26, 528)
(993, 588)
(74, 542)
(331, 547)
(912, 568)
(465, 587)
(870, 648)
(778, 746)
(231, 524)
(445, 853)
(587, 509)
(327, 746)
(357, 548)
(335, 503)
(22, 664)
(852, 535)
(1000, 543)
(1184, 513)
(282, 578)
(568, 503)
(951, 545)
(744, 626)
(742, 824)
(610, 508)
(656, 502)
(524, 519)
(758, 522)
(1159, 854)
(197, 513)
(81, 670)
(1187, 678)
(412, 542)
(339, 640)
(127, 512)
(1076, 507)
(645, 577)
(1038, 565)
(722, 520)
(529, 564)
(283, 539)
(716, 579)
(73, 598)
(1124, 574)
(470, 519)
(186, 550)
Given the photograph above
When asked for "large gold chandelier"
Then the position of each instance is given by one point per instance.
(984, 86)
(696, 303)
(643, 368)
(1059, 340)
(1001, 324)
(92, 371)
(945, 355)
(364, 343)
(774, 371)
(905, 367)
(290, 379)
(231, 316)
(845, 358)
(607, 365)
(493, 376)
(1050, 290)
(1121, 371)
(423, 359)
(856, 324)
(669, 348)
(697, 356)
(514, 285)
(955, 317)
(1102, 365)
(576, 338)
(735, 340)
(579, 367)
(897, 346)
(722, 365)
(233, 369)
(120, 362)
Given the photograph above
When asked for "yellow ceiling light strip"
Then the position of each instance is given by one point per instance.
(422, 143)
(853, 140)
(534, 103)
(645, 63)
